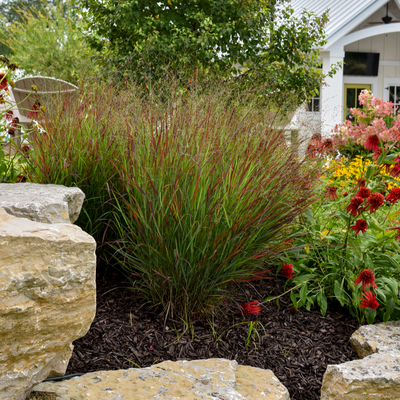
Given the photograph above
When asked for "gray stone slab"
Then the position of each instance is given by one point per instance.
(378, 338)
(374, 377)
(49, 204)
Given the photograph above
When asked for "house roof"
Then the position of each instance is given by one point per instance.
(344, 15)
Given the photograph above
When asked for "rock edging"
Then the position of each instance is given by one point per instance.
(376, 375)
(190, 380)
(49, 204)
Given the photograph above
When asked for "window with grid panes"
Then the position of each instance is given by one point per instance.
(314, 103)
(394, 96)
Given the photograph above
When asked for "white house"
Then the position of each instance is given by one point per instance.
(365, 34)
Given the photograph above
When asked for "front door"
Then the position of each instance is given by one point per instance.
(351, 93)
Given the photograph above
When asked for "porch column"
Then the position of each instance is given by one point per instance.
(332, 93)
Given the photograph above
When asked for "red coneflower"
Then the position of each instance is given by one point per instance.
(363, 193)
(355, 202)
(367, 278)
(360, 226)
(394, 195)
(9, 114)
(345, 194)
(372, 143)
(377, 153)
(331, 193)
(25, 149)
(395, 171)
(369, 301)
(327, 145)
(3, 82)
(375, 201)
(251, 308)
(287, 270)
(311, 151)
(398, 232)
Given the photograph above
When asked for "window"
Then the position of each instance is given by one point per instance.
(351, 93)
(313, 103)
(394, 96)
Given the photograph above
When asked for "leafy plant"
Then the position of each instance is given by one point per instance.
(351, 236)
(12, 159)
(45, 41)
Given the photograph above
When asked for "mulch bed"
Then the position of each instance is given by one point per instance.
(296, 346)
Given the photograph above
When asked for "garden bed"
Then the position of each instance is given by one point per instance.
(296, 346)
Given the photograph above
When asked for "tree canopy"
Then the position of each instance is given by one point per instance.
(262, 36)
(45, 41)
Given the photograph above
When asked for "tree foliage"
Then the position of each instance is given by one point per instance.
(9, 14)
(262, 37)
(46, 41)
(194, 32)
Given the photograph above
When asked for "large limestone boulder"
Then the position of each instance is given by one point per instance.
(186, 380)
(47, 298)
(49, 204)
(374, 377)
(378, 338)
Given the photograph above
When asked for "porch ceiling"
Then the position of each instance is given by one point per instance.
(344, 15)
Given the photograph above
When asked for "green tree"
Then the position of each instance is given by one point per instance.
(46, 41)
(9, 14)
(273, 49)
(289, 65)
(185, 33)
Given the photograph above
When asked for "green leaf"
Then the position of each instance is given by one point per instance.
(389, 310)
(370, 314)
(293, 298)
(322, 302)
(338, 290)
(370, 171)
(303, 293)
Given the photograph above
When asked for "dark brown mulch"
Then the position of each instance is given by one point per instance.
(297, 347)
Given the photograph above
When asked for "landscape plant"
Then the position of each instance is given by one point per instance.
(351, 234)
(256, 43)
(12, 160)
(45, 40)
(81, 139)
(208, 189)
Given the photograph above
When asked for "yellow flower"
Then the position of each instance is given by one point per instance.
(42, 109)
(307, 249)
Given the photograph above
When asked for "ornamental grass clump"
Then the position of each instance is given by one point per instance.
(77, 144)
(208, 189)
